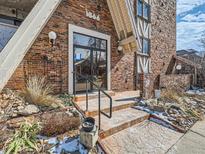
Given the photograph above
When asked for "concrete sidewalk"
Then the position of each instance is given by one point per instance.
(193, 142)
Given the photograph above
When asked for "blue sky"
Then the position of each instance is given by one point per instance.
(190, 23)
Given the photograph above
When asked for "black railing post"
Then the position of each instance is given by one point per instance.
(110, 107)
(99, 109)
(99, 97)
(86, 95)
(74, 83)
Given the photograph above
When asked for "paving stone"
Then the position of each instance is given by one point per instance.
(199, 127)
(147, 137)
(191, 143)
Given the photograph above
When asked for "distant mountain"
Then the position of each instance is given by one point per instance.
(190, 23)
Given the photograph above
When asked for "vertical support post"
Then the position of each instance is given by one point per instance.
(142, 92)
(86, 95)
(195, 76)
(99, 109)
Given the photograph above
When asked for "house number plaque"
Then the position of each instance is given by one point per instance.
(92, 15)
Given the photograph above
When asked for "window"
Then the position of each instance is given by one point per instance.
(8, 27)
(140, 8)
(143, 13)
(145, 45)
(143, 10)
(146, 12)
(89, 41)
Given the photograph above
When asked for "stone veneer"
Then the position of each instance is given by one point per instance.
(179, 82)
(52, 63)
(163, 40)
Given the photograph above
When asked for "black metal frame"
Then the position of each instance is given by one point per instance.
(91, 50)
(99, 99)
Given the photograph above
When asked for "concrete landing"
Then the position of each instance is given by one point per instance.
(121, 120)
(91, 95)
(121, 100)
(146, 137)
(193, 142)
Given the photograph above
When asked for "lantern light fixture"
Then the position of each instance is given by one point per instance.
(52, 37)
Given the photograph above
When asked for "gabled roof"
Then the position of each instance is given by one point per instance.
(188, 62)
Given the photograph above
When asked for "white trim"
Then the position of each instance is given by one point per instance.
(71, 30)
(134, 25)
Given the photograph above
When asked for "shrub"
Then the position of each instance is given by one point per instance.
(67, 99)
(39, 92)
(24, 139)
(59, 123)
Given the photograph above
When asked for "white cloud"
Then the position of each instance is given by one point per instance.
(188, 35)
(186, 5)
(194, 18)
(191, 26)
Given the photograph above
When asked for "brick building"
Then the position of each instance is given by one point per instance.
(121, 45)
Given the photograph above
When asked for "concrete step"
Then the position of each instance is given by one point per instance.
(120, 120)
(91, 95)
(121, 100)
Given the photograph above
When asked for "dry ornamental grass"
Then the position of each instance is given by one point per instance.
(39, 92)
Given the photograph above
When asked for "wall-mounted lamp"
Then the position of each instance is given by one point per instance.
(52, 37)
(178, 67)
(120, 49)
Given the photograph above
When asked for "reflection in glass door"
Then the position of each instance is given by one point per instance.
(99, 68)
(90, 60)
(82, 65)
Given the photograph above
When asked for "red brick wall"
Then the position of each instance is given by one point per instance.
(53, 62)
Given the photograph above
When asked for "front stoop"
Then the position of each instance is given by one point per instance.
(124, 115)
(107, 110)
(91, 95)
(121, 100)
(121, 120)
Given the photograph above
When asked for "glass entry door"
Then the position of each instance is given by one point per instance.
(90, 60)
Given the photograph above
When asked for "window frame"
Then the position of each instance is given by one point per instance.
(148, 21)
(142, 16)
(15, 22)
(149, 45)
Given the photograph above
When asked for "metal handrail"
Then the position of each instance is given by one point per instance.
(100, 90)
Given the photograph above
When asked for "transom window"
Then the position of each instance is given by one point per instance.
(88, 41)
(143, 13)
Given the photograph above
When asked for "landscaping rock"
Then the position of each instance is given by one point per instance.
(29, 109)
(180, 109)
